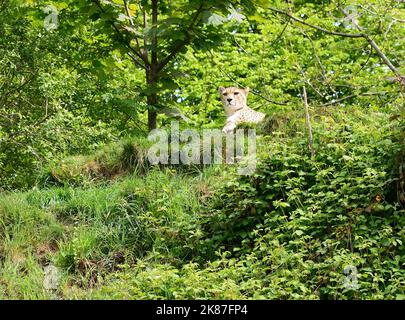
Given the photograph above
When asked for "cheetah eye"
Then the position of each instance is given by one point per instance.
(236, 93)
(225, 94)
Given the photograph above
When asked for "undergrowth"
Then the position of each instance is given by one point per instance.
(117, 227)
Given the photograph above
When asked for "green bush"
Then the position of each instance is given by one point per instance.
(307, 219)
(61, 135)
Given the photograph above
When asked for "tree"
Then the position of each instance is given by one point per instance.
(362, 34)
(152, 33)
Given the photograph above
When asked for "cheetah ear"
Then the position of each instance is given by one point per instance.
(246, 90)
(221, 89)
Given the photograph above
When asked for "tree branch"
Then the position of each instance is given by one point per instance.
(352, 96)
(318, 60)
(255, 92)
(400, 78)
(145, 40)
(183, 43)
(131, 22)
(273, 42)
(375, 46)
(135, 60)
(342, 34)
(154, 35)
(134, 51)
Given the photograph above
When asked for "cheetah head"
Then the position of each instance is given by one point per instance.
(233, 98)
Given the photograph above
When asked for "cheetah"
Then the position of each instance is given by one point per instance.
(234, 100)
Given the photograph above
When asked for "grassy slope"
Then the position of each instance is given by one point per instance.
(116, 228)
(92, 231)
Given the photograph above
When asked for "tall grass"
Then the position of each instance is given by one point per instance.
(89, 232)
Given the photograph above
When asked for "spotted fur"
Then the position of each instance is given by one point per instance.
(236, 109)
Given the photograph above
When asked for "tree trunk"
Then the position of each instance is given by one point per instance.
(152, 114)
(152, 98)
(152, 76)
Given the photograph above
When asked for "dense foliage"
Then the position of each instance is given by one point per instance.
(321, 219)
